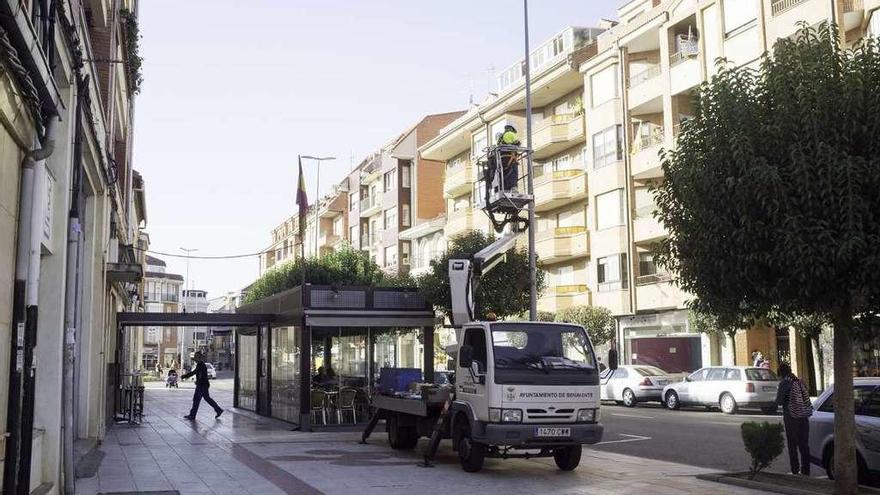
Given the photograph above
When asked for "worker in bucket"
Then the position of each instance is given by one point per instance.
(509, 159)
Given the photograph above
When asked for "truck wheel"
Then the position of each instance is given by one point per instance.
(401, 437)
(567, 458)
(470, 454)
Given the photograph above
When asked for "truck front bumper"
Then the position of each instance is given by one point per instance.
(524, 434)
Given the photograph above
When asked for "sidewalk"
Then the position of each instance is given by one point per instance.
(242, 453)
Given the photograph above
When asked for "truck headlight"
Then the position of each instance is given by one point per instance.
(588, 415)
(497, 415)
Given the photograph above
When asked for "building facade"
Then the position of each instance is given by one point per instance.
(193, 338)
(162, 295)
(71, 247)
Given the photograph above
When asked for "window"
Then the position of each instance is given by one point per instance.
(476, 338)
(699, 375)
(608, 146)
(715, 374)
(603, 85)
(612, 273)
(391, 218)
(390, 180)
(872, 406)
(497, 129)
(352, 234)
(337, 226)
(760, 375)
(405, 177)
(609, 209)
(404, 215)
(738, 13)
(563, 162)
(479, 143)
(352, 201)
(621, 374)
(650, 371)
(861, 395)
(391, 256)
(404, 253)
(646, 264)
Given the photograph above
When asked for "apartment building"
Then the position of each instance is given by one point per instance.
(221, 342)
(65, 146)
(162, 294)
(559, 152)
(639, 88)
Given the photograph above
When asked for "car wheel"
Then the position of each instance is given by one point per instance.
(629, 398)
(728, 404)
(863, 476)
(567, 458)
(672, 400)
(470, 454)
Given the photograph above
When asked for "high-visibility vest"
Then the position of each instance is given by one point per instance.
(509, 137)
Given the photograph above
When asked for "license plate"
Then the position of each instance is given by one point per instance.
(769, 389)
(552, 432)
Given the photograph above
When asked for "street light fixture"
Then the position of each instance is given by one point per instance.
(318, 159)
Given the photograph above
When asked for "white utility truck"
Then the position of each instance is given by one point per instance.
(521, 388)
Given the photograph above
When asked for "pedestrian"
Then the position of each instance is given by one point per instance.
(796, 412)
(757, 358)
(765, 363)
(159, 370)
(202, 385)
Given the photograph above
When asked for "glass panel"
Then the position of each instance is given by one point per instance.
(285, 373)
(760, 375)
(247, 372)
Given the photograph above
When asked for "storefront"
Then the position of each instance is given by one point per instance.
(317, 364)
(664, 340)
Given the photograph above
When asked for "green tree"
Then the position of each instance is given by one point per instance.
(724, 325)
(503, 291)
(597, 321)
(771, 197)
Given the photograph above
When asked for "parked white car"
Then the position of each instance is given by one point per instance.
(212, 373)
(867, 407)
(727, 387)
(631, 384)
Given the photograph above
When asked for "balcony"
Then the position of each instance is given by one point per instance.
(643, 86)
(459, 180)
(371, 205)
(657, 291)
(645, 153)
(565, 296)
(684, 67)
(555, 189)
(646, 228)
(562, 243)
(328, 239)
(371, 172)
(558, 133)
(459, 221)
(780, 6)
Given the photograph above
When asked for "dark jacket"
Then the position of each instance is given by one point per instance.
(784, 391)
(201, 373)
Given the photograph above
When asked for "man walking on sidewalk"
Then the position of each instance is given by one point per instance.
(202, 385)
(796, 412)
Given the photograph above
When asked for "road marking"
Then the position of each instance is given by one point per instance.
(632, 416)
(632, 438)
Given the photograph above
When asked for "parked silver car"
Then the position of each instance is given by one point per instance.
(866, 393)
(727, 387)
(631, 384)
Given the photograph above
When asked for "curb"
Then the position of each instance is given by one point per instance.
(769, 487)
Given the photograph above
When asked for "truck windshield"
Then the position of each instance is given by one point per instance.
(548, 348)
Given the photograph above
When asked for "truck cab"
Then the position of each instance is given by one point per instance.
(524, 389)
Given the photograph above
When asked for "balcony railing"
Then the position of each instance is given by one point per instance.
(780, 6)
(644, 76)
(686, 51)
(557, 175)
(571, 289)
(370, 202)
(652, 138)
(653, 278)
(853, 5)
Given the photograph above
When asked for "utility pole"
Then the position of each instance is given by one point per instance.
(317, 193)
(184, 295)
(533, 288)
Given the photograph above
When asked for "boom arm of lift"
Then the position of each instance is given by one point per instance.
(463, 273)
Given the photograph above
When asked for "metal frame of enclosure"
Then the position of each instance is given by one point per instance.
(275, 354)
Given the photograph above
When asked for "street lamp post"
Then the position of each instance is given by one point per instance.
(533, 288)
(180, 334)
(317, 192)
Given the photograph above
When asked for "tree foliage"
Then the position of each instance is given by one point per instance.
(597, 321)
(771, 201)
(717, 324)
(503, 291)
(347, 266)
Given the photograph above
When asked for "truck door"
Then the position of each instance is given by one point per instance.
(471, 383)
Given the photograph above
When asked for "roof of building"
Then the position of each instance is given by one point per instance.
(171, 276)
(155, 261)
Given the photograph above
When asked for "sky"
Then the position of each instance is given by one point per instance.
(234, 90)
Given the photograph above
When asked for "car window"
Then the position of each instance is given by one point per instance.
(699, 375)
(649, 371)
(861, 396)
(621, 373)
(733, 374)
(715, 374)
(604, 374)
(872, 406)
(760, 375)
